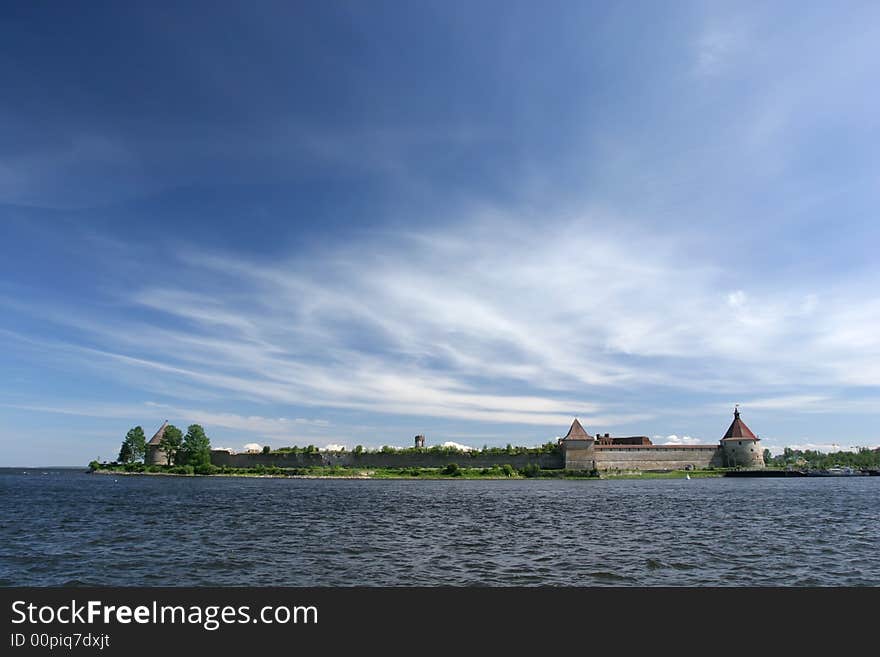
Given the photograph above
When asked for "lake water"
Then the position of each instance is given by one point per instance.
(67, 527)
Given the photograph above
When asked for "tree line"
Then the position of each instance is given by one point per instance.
(192, 448)
(547, 448)
(864, 457)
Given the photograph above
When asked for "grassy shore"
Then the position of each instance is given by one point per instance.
(672, 474)
(337, 472)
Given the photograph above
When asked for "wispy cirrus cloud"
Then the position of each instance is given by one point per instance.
(249, 424)
(524, 328)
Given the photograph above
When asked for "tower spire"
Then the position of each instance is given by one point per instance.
(738, 428)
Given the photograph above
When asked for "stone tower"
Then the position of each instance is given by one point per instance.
(740, 446)
(577, 446)
(156, 455)
(420, 441)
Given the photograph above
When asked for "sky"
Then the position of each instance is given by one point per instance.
(350, 223)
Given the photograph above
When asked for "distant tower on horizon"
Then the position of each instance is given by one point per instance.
(578, 448)
(420, 441)
(156, 455)
(740, 445)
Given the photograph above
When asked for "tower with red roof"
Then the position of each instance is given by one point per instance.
(740, 445)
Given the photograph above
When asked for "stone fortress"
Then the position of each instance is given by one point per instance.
(738, 448)
(578, 450)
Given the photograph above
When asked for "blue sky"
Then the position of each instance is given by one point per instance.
(349, 223)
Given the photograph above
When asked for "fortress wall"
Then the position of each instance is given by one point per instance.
(657, 457)
(281, 460)
(434, 460)
(379, 460)
(607, 457)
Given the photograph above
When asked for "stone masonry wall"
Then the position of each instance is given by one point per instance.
(658, 457)
(379, 460)
(281, 460)
(742, 453)
(155, 456)
(607, 457)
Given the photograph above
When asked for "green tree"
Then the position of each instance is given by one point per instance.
(196, 447)
(124, 453)
(171, 443)
(134, 446)
(768, 457)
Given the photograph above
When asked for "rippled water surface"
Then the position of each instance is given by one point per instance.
(67, 527)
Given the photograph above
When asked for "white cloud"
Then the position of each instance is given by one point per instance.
(814, 404)
(252, 447)
(810, 304)
(497, 322)
(827, 448)
(736, 299)
(155, 412)
(681, 440)
(464, 448)
(333, 447)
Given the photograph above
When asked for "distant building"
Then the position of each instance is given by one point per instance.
(578, 450)
(740, 445)
(608, 439)
(581, 451)
(577, 446)
(156, 455)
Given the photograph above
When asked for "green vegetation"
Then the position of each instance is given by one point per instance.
(863, 458)
(308, 449)
(171, 442)
(195, 450)
(134, 446)
(449, 471)
(463, 454)
(671, 474)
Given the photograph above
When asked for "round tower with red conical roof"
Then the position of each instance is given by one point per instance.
(740, 446)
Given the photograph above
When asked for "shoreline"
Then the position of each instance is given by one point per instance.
(219, 474)
(372, 475)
